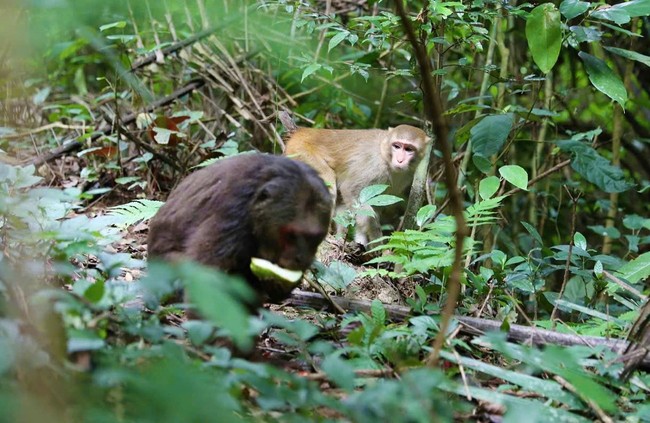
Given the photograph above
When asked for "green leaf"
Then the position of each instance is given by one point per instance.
(632, 55)
(339, 371)
(378, 312)
(135, 211)
(198, 331)
(482, 163)
(336, 40)
(581, 34)
(516, 175)
(118, 24)
(616, 15)
(635, 222)
(489, 135)
(572, 8)
(544, 35)
(533, 232)
(383, 200)
(424, 214)
(337, 274)
(603, 78)
(371, 191)
(598, 269)
(580, 241)
(635, 270)
(219, 298)
(310, 69)
(95, 292)
(601, 230)
(635, 8)
(488, 187)
(594, 167)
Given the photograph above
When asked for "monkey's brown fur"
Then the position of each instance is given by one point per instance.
(251, 205)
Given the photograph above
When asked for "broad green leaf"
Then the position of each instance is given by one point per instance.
(602, 230)
(383, 200)
(489, 135)
(580, 241)
(371, 191)
(603, 78)
(424, 214)
(337, 274)
(594, 167)
(219, 298)
(198, 331)
(544, 35)
(635, 270)
(498, 257)
(616, 15)
(582, 34)
(482, 163)
(598, 269)
(339, 371)
(572, 8)
(95, 292)
(310, 70)
(632, 55)
(336, 40)
(488, 187)
(516, 175)
(635, 8)
(635, 222)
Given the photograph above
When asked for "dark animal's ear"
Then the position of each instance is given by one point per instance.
(271, 190)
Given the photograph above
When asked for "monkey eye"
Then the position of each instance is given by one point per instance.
(409, 149)
(397, 145)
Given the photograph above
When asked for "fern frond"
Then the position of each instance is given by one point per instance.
(135, 211)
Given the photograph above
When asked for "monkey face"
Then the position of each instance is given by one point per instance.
(403, 155)
(292, 214)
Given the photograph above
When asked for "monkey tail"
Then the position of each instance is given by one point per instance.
(289, 125)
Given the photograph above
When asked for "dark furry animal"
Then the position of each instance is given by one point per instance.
(251, 205)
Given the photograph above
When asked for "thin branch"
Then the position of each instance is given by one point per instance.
(434, 112)
(567, 264)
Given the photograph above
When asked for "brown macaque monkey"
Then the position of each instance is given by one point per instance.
(350, 160)
(251, 205)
